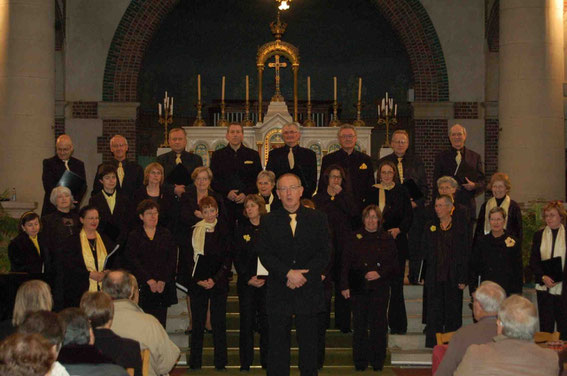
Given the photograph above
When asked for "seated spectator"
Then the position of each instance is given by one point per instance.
(99, 309)
(48, 325)
(34, 295)
(513, 351)
(487, 300)
(130, 321)
(78, 354)
(26, 355)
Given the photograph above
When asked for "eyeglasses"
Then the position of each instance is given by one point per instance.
(335, 177)
(386, 172)
(400, 142)
(347, 136)
(292, 188)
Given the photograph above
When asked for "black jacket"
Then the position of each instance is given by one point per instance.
(235, 170)
(53, 169)
(188, 160)
(133, 178)
(414, 169)
(58, 226)
(115, 224)
(25, 258)
(166, 202)
(305, 166)
(245, 256)
(513, 224)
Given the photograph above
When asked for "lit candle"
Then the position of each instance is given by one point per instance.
(359, 88)
(247, 82)
(171, 107)
(383, 105)
(391, 103)
(159, 108)
(199, 87)
(222, 92)
(335, 87)
(308, 89)
(386, 96)
(395, 110)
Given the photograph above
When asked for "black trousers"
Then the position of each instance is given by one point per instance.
(252, 303)
(444, 310)
(280, 340)
(370, 324)
(199, 302)
(397, 317)
(342, 305)
(324, 321)
(550, 311)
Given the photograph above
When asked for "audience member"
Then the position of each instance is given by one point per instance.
(26, 355)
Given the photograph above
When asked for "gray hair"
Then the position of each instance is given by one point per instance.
(457, 125)
(447, 179)
(490, 296)
(268, 175)
(518, 317)
(77, 326)
(346, 126)
(59, 190)
(117, 284)
(116, 137)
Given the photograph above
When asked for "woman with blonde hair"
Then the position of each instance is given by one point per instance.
(154, 189)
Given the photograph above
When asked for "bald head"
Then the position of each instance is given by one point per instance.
(64, 147)
(117, 284)
(119, 147)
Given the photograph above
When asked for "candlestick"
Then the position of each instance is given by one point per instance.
(222, 93)
(387, 112)
(335, 88)
(167, 117)
(359, 88)
(308, 89)
(247, 83)
(198, 87)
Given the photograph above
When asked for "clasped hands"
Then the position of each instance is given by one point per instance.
(97, 276)
(236, 197)
(156, 286)
(256, 282)
(549, 282)
(295, 278)
(369, 276)
(207, 284)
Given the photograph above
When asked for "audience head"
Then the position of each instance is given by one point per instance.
(254, 206)
(177, 139)
(148, 211)
(77, 327)
(446, 185)
(387, 172)
(372, 218)
(118, 284)
(400, 142)
(457, 136)
(444, 206)
(98, 307)
(135, 295)
(308, 203)
(500, 185)
(266, 181)
(334, 175)
(29, 223)
(202, 177)
(235, 135)
(289, 191)
(347, 137)
(291, 134)
(47, 324)
(153, 173)
(64, 147)
(554, 214)
(32, 296)
(26, 355)
(62, 198)
(517, 318)
(119, 147)
(107, 176)
(487, 299)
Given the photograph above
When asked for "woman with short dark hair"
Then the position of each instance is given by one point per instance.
(28, 251)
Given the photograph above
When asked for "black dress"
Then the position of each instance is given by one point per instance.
(58, 226)
(25, 258)
(397, 213)
(166, 202)
(153, 259)
(498, 260)
(252, 300)
(113, 224)
(276, 202)
(365, 252)
(513, 220)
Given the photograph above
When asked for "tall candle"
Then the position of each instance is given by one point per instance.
(386, 96)
(222, 93)
(383, 106)
(171, 107)
(335, 87)
(199, 87)
(159, 108)
(308, 89)
(359, 88)
(395, 110)
(247, 83)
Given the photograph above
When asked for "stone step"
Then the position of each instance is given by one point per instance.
(405, 358)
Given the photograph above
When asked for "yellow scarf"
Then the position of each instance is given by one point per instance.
(198, 239)
(35, 243)
(270, 200)
(382, 194)
(490, 204)
(110, 200)
(89, 259)
(545, 252)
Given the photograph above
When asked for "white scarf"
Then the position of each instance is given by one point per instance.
(270, 200)
(198, 239)
(490, 204)
(559, 251)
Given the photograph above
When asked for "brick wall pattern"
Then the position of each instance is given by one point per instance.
(85, 110)
(110, 128)
(466, 110)
(430, 139)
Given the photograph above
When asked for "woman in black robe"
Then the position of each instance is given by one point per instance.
(265, 182)
(64, 222)
(28, 252)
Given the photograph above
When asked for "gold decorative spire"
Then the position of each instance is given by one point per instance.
(278, 27)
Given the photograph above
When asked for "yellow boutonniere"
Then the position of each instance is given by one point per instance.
(246, 237)
(433, 228)
(248, 162)
(363, 166)
(509, 242)
(359, 236)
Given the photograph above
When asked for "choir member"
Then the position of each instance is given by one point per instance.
(113, 207)
(500, 186)
(235, 168)
(62, 223)
(294, 159)
(53, 169)
(549, 243)
(357, 165)
(337, 201)
(446, 250)
(130, 174)
(151, 255)
(369, 263)
(251, 287)
(411, 173)
(209, 251)
(153, 189)
(83, 258)
(28, 252)
(266, 181)
(395, 205)
(497, 256)
(465, 166)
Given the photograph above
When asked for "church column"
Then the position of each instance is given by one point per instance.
(532, 143)
(260, 70)
(295, 68)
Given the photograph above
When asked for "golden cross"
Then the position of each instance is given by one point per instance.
(277, 65)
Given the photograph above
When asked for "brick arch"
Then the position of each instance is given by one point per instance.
(143, 17)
